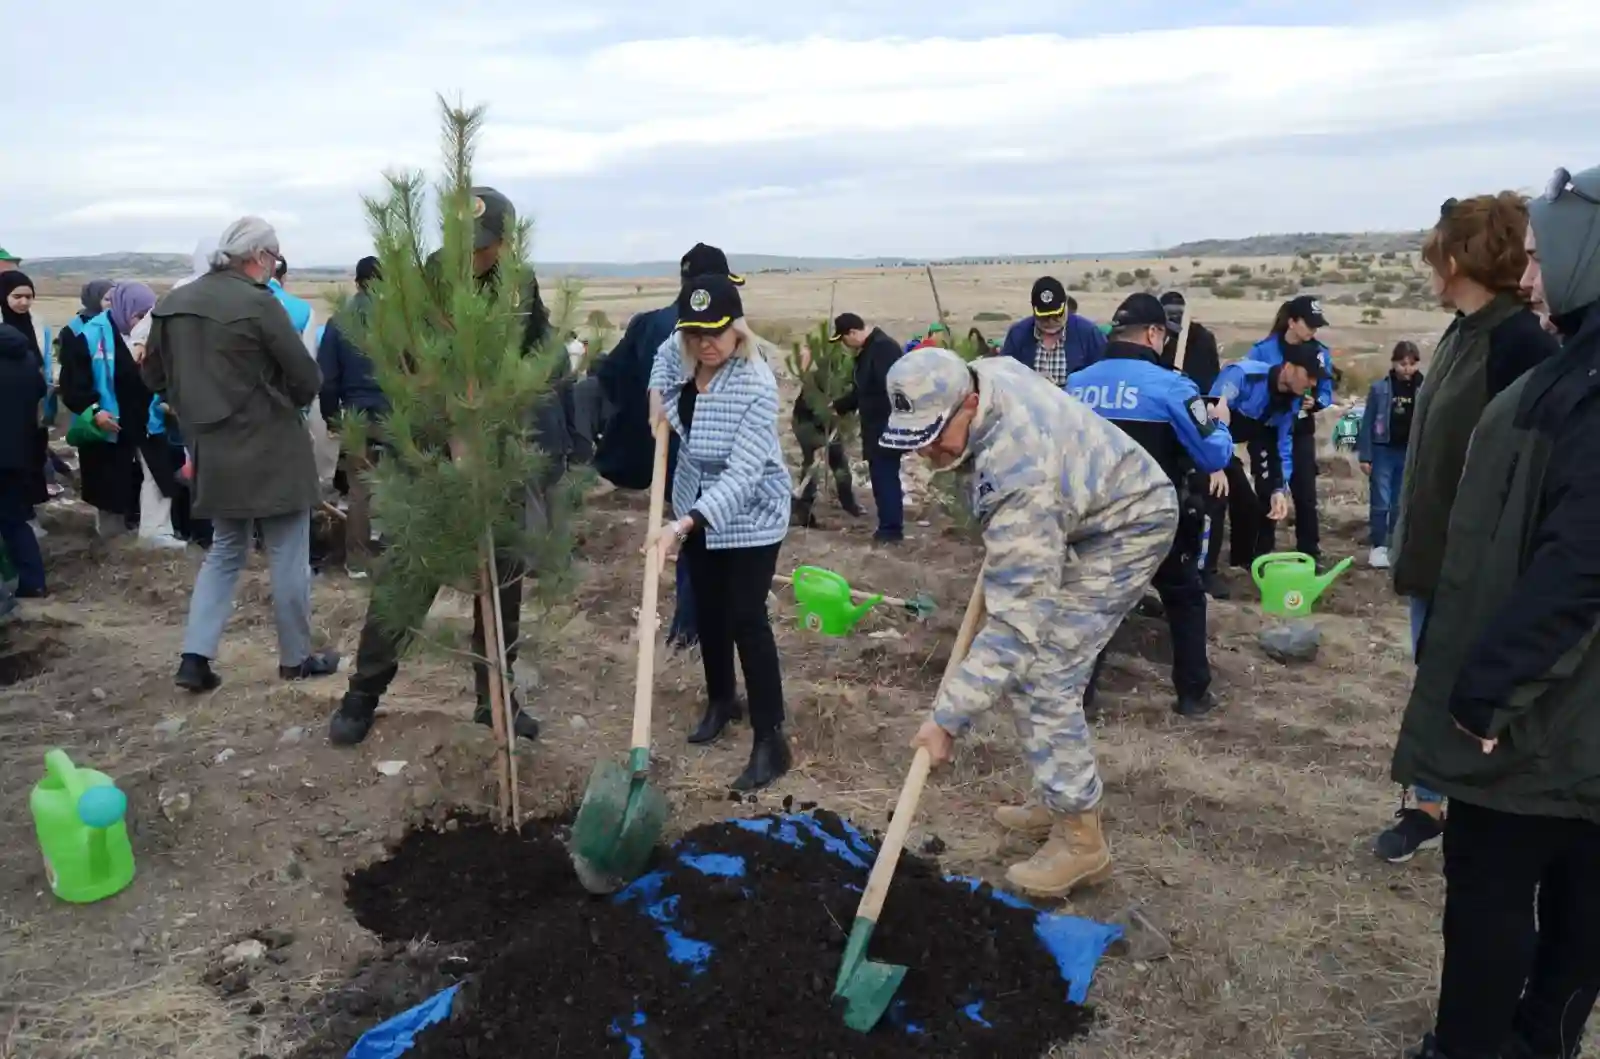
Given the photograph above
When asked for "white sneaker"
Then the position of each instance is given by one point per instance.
(1379, 559)
(164, 542)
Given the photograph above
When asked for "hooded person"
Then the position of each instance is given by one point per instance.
(21, 390)
(1501, 718)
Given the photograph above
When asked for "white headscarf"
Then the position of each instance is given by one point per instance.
(202, 261)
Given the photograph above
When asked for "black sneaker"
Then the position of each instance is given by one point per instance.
(320, 664)
(1214, 586)
(1195, 706)
(1413, 832)
(526, 724)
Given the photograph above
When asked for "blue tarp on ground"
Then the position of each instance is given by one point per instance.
(1076, 943)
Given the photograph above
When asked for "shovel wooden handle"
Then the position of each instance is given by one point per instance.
(644, 676)
(1182, 351)
(911, 793)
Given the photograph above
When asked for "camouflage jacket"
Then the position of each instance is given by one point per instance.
(1046, 473)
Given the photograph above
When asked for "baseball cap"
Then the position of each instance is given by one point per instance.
(1307, 308)
(494, 217)
(708, 304)
(1305, 356)
(843, 324)
(704, 260)
(1049, 297)
(925, 387)
(1139, 310)
(6, 255)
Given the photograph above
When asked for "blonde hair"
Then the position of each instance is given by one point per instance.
(751, 347)
(1483, 237)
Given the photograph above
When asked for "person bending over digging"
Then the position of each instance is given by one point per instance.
(1076, 518)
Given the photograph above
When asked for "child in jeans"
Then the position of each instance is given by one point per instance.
(1381, 444)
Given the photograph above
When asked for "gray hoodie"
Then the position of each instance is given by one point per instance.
(1568, 234)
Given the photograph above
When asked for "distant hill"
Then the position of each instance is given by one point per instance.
(1298, 243)
(176, 266)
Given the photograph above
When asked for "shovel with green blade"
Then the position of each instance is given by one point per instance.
(622, 813)
(868, 987)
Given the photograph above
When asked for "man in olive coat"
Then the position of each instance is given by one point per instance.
(236, 375)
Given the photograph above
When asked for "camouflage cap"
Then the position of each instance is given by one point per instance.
(493, 217)
(925, 388)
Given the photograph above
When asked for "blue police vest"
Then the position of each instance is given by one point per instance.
(1135, 390)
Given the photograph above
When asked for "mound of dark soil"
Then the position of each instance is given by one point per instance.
(730, 950)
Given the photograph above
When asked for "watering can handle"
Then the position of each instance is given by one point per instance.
(61, 769)
(644, 676)
(1286, 558)
(911, 792)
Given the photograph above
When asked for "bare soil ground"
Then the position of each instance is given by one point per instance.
(1244, 835)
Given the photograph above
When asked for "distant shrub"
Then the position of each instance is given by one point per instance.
(1230, 292)
(1195, 262)
(1141, 273)
(1172, 268)
(1124, 279)
(1238, 270)
(990, 317)
(1383, 286)
(1371, 316)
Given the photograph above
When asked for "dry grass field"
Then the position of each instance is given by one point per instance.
(1244, 835)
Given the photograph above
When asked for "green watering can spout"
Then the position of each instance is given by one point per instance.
(1289, 581)
(825, 602)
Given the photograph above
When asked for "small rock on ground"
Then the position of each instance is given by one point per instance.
(1291, 642)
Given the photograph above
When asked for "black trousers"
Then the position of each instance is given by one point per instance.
(1262, 460)
(378, 655)
(1177, 582)
(1303, 488)
(1240, 511)
(730, 598)
(838, 463)
(1521, 934)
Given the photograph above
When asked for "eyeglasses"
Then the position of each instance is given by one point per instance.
(1561, 184)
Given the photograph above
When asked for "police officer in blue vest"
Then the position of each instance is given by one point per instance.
(1264, 400)
(1165, 412)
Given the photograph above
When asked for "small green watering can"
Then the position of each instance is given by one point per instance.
(1289, 581)
(825, 601)
(78, 815)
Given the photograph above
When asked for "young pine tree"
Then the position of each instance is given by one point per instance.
(449, 350)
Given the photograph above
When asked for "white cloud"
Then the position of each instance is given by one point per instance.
(610, 142)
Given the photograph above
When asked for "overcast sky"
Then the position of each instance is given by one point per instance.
(630, 129)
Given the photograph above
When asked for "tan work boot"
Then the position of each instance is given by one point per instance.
(1027, 821)
(1075, 856)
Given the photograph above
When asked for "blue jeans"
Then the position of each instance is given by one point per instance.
(1388, 464)
(884, 470)
(1419, 614)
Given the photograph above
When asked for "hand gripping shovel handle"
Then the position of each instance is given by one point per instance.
(644, 677)
(911, 793)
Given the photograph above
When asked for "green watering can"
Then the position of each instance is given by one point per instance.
(825, 601)
(1289, 581)
(78, 814)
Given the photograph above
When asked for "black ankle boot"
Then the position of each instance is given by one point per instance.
(195, 675)
(769, 760)
(352, 721)
(718, 716)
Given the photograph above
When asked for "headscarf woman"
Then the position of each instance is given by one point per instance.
(16, 309)
(98, 370)
(96, 298)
